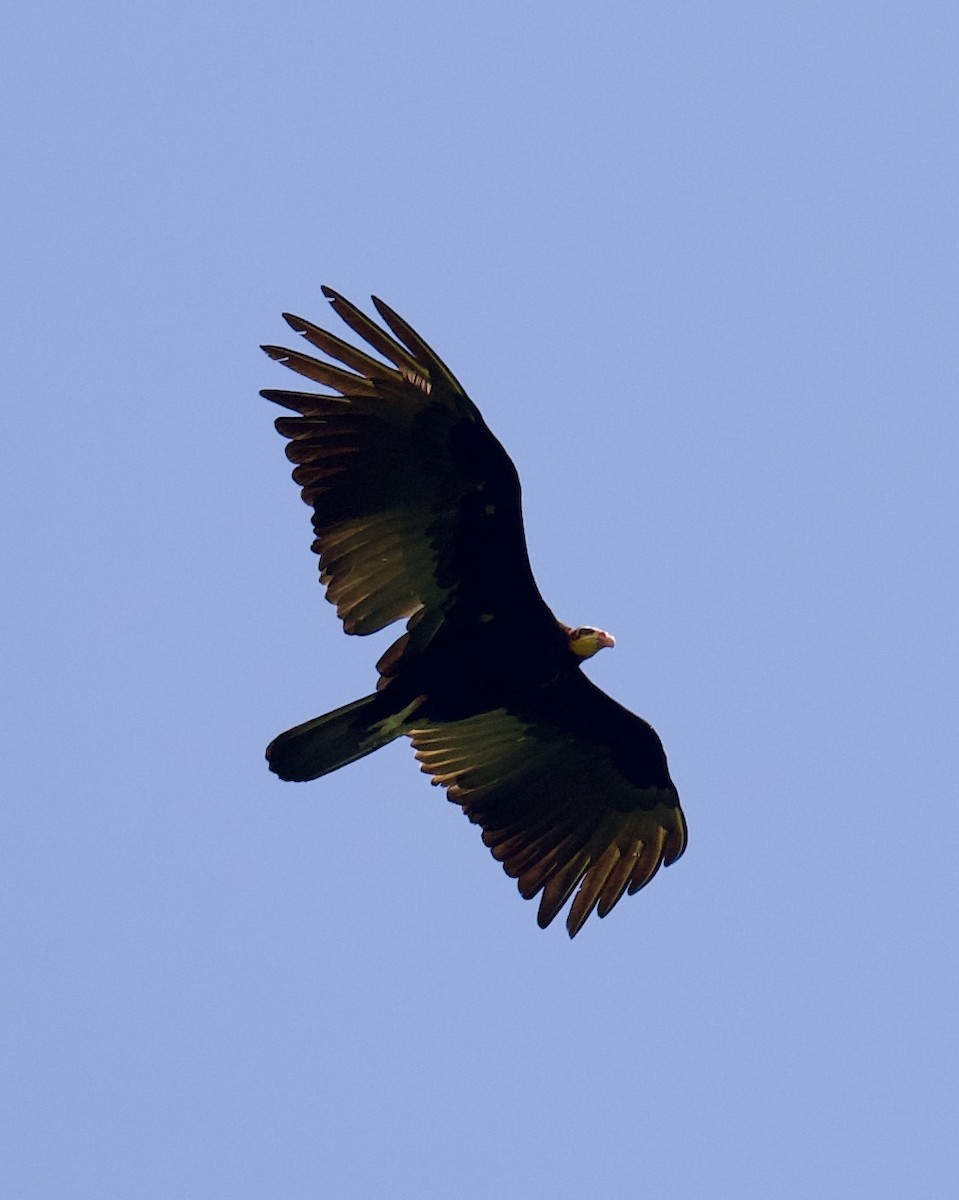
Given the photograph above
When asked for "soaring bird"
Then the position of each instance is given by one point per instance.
(417, 515)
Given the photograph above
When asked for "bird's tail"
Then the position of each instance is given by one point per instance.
(319, 746)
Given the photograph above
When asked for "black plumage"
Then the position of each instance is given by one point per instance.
(417, 515)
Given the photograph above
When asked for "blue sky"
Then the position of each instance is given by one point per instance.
(698, 267)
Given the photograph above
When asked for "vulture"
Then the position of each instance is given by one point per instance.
(417, 517)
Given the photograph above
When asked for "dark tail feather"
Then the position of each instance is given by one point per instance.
(319, 746)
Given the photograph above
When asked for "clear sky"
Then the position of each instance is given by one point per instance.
(697, 264)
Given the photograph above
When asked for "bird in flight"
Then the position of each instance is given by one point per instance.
(417, 516)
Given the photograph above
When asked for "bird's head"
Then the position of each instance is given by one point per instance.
(585, 640)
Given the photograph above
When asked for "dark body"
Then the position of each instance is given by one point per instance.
(417, 515)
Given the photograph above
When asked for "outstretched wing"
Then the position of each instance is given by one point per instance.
(416, 505)
(572, 790)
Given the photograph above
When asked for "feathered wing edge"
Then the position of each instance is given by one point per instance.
(556, 820)
(412, 359)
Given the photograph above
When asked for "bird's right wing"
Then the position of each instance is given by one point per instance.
(570, 788)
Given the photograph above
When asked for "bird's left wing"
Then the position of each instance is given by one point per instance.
(570, 788)
(416, 505)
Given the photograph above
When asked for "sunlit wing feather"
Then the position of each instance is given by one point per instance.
(562, 809)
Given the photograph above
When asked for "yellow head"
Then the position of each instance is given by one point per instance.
(585, 641)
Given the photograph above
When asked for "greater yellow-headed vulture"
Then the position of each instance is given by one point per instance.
(416, 512)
